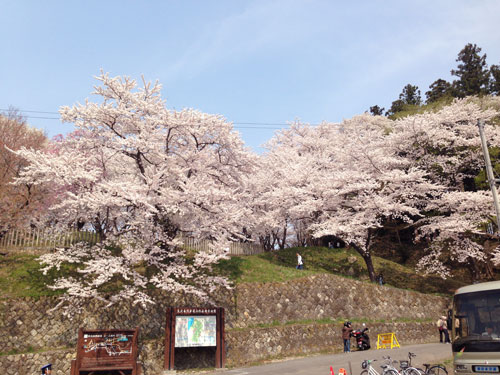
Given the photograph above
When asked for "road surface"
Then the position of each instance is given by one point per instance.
(320, 364)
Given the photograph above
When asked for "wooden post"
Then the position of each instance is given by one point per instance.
(168, 340)
(221, 337)
(172, 342)
(218, 355)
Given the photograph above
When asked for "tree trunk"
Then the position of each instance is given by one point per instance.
(283, 240)
(369, 265)
(367, 257)
(474, 270)
(397, 236)
(267, 242)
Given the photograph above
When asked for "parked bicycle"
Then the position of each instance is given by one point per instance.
(368, 369)
(407, 368)
(435, 369)
(429, 368)
(389, 368)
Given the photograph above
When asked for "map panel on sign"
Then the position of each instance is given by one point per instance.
(108, 344)
(193, 331)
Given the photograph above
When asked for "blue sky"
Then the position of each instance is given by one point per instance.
(269, 61)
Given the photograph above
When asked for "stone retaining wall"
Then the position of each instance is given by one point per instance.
(329, 296)
(251, 345)
(243, 346)
(26, 326)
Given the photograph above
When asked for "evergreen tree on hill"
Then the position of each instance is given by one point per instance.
(472, 72)
(495, 80)
(377, 111)
(409, 96)
(438, 89)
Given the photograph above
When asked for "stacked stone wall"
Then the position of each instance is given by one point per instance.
(243, 346)
(26, 326)
(329, 296)
(247, 346)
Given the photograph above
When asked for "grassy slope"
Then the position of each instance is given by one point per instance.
(20, 275)
(280, 266)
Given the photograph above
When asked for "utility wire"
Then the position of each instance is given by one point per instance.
(258, 125)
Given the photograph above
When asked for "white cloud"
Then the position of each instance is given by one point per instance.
(257, 30)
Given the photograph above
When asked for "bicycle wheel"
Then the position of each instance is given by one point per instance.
(412, 371)
(390, 372)
(437, 370)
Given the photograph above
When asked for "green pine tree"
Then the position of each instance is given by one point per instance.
(410, 96)
(495, 80)
(438, 89)
(472, 72)
(377, 111)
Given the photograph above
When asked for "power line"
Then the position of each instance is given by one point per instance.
(257, 125)
(54, 113)
(236, 127)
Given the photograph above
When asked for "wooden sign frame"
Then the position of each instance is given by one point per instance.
(102, 350)
(173, 312)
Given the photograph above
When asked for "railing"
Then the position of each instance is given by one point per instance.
(37, 239)
(44, 240)
(235, 248)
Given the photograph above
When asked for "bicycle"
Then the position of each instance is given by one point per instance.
(435, 369)
(429, 369)
(368, 369)
(389, 369)
(407, 368)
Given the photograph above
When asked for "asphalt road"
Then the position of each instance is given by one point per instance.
(320, 364)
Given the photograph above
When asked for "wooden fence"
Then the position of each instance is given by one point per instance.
(235, 248)
(37, 239)
(43, 241)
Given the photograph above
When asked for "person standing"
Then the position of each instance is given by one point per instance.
(300, 264)
(346, 336)
(380, 279)
(443, 330)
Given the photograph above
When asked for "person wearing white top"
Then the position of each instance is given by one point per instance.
(489, 332)
(300, 264)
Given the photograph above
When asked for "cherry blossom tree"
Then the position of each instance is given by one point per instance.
(348, 180)
(344, 180)
(280, 185)
(140, 175)
(370, 185)
(447, 145)
(17, 202)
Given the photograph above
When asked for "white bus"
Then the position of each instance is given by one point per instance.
(476, 329)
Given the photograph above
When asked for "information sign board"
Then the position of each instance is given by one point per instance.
(193, 327)
(195, 330)
(111, 350)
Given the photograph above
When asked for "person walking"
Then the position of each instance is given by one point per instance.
(443, 330)
(346, 336)
(300, 264)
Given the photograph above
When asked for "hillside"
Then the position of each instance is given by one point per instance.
(280, 266)
(20, 275)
